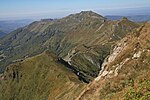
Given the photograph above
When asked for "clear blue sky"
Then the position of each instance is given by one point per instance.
(59, 8)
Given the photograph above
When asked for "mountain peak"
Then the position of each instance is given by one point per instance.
(86, 14)
(89, 13)
(124, 18)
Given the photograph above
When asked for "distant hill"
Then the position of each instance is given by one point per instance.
(46, 20)
(2, 33)
(126, 11)
(136, 18)
(8, 26)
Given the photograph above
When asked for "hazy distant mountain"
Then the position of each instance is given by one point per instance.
(2, 33)
(126, 11)
(10, 25)
(136, 18)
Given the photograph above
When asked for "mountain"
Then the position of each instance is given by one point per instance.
(8, 26)
(125, 71)
(61, 59)
(129, 11)
(134, 18)
(84, 36)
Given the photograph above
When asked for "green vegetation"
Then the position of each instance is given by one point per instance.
(60, 36)
(83, 41)
(39, 78)
(141, 92)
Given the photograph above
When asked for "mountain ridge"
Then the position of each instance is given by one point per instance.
(82, 49)
(65, 35)
(8, 26)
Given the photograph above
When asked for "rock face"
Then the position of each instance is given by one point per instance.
(137, 55)
(111, 58)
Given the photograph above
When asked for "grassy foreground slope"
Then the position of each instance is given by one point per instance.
(125, 72)
(39, 78)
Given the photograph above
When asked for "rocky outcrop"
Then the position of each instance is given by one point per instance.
(137, 55)
(116, 51)
(70, 56)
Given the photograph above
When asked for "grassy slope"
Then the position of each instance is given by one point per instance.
(95, 47)
(39, 78)
(43, 71)
(132, 81)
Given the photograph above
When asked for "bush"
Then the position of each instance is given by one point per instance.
(131, 94)
(146, 96)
